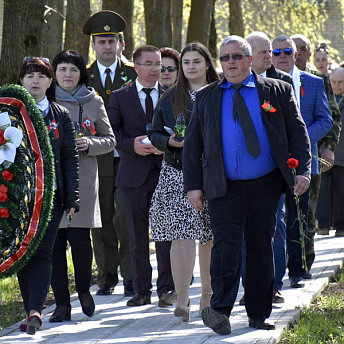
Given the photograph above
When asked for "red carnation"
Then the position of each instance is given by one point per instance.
(4, 213)
(7, 175)
(3, 193)
(292, 163)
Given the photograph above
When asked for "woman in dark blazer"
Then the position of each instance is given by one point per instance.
(172, 217)
(37, 76)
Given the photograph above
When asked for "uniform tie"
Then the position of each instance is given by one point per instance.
(108, 81)
(240, 110)
(149, 104)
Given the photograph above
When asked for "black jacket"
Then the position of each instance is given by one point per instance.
(203, 166)
(163, 116)
(65, 155)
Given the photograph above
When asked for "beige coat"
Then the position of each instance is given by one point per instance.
(102, 142)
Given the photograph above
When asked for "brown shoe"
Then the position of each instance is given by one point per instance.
(242, 301)
(278, 298)
(339, 232)
(323, 231)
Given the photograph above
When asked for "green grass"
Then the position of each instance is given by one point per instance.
(323, 322)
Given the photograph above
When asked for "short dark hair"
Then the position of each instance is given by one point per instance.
(139, 50)
(39, 66)
(73, 57)
(171, 53)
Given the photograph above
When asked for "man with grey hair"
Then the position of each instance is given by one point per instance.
(262, 64)
(304, 50)
(313, 104)
(255, 125)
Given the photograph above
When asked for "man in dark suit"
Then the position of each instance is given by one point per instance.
(242, 131)
(262, 65)
(106, 74)
(130, 112)
(328, 143)
(313, 104)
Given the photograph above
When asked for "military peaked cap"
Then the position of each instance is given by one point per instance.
(104, 23)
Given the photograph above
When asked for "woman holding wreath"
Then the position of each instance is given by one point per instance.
(37, 76)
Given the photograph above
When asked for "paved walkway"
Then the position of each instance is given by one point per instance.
(114, 322)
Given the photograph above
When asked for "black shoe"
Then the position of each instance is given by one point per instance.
(61, 313)
(87, 304)
(261, 324)
(128, 288)
(218, 322)
(139, 300)
(278, 298)
(105, 289)
(242, 301)
(167, 298)
(307, 275)
(339, 232)
(296, 282)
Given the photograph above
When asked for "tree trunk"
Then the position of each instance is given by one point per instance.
(53, 29)
(22, 35)
(199, 22)
(158, 23)
(177, 24)
(125, 8)
(78, 11)
(213, 35)
(236, 22)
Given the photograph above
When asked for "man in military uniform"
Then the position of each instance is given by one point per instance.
(328, 142)
(106, 74)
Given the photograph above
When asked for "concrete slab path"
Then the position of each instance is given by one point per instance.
(114, 322)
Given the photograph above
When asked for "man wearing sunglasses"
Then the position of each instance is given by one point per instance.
(262, 65)
(313, 104)
(241, 133)
(328, 143)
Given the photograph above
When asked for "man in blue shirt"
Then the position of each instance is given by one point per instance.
(243, 181)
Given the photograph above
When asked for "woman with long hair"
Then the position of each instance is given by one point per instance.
(171, 215)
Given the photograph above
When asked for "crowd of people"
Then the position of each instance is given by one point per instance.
(165, 143)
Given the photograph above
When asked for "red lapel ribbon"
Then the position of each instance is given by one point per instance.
(53, 126)
(89, 125)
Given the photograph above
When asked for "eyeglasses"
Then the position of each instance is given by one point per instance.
(149, 64)
(31, 58)
(170, 69)
(278, 52)
(235, 57)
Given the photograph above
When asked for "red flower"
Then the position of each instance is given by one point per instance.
(292, 163)
(4, 213)
(2, 137)
(3, 193)
(7, 175)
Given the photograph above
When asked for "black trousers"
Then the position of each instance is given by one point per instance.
(137, 202)
(248, 208)
(331, 199)
(34, 278)
(111, 242)
(80, 242)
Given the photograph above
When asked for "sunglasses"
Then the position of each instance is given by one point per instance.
(169, 69)
(31, 58)
(278, 52)
(235, 57)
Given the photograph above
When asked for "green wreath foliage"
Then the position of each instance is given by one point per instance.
(22, 188)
